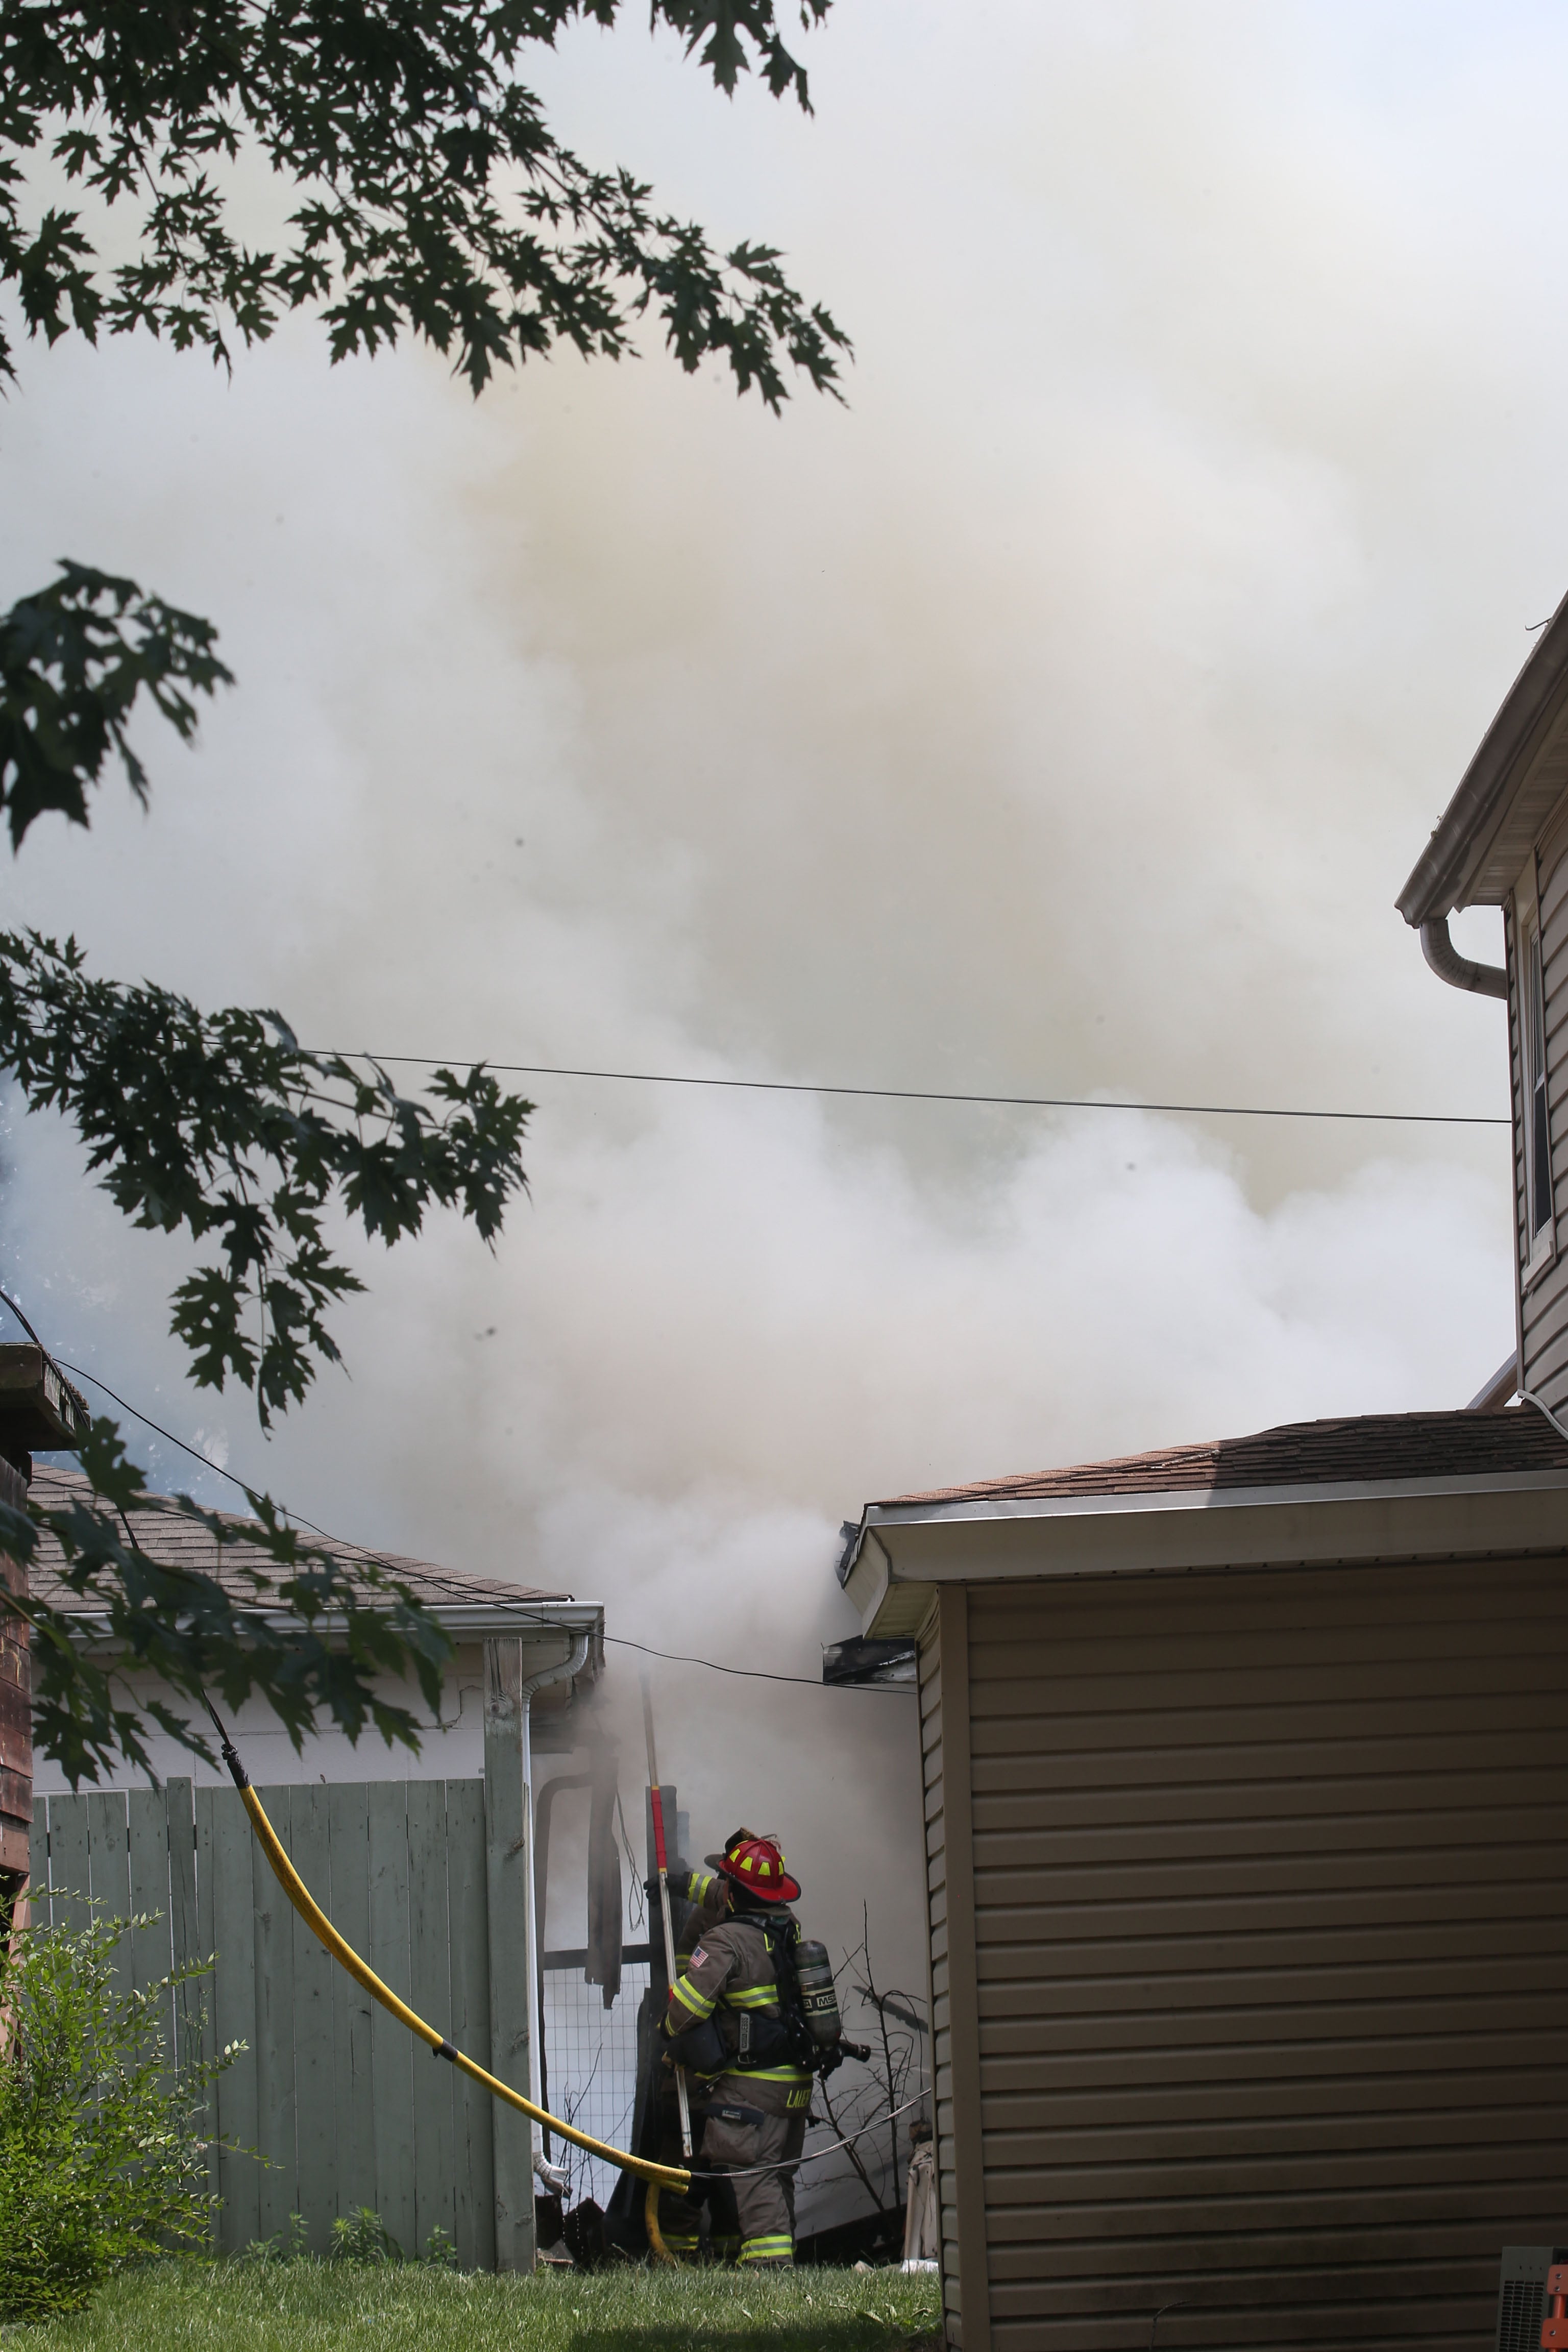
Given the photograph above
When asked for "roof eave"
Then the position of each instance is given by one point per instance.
(910, 1551)
(1464, 833)
(923, 1510)
(463, 1622)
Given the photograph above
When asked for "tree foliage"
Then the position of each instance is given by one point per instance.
(434, 199)
(295, 1621)
(221, 1125)
(73, 659)
(430, 198)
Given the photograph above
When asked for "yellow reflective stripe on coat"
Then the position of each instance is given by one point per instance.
(751, 1997)
(699, 2004)
(770, 2073)
(768, 2250)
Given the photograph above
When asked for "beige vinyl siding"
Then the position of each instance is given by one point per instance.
(930, 1655)
(955, 2042)
(1270, 1928)
(1545, 1304)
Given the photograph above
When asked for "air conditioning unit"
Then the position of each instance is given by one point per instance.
(1522, 2304)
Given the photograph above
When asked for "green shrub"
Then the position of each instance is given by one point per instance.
(362, 2236)
(359, 2235)
(103, 2153)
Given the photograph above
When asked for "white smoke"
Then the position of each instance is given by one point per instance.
(1061, 717)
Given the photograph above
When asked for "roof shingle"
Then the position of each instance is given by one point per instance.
(167, 1535)
(1373, 1448)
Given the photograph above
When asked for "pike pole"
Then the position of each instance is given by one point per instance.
(661, 1858)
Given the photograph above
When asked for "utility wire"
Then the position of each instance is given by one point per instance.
(618, 1640)
(925, 1094)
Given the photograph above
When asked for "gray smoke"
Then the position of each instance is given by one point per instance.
(1059, 718)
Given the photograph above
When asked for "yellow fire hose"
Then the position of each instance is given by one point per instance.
(657, 2176)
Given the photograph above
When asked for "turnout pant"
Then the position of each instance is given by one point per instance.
(734, 2139)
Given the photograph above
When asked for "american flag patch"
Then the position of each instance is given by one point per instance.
(698, 1957)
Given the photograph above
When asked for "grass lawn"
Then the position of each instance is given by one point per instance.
(308, 2306)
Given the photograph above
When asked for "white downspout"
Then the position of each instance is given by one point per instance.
(562, 1670)
(1459, 971)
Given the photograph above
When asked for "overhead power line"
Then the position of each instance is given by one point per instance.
(923, 1094)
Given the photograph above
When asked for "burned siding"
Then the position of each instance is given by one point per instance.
(1269, 1947)
(16, 1715)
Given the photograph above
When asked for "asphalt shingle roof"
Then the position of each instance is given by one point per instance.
(1377, 1448)
(167, 1535)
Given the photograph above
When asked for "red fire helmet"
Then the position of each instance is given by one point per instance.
(758, 1864)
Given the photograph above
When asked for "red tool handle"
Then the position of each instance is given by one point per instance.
(658, 1847)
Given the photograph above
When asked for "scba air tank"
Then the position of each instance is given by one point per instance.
(818, 1995)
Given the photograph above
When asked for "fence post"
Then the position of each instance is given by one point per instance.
(506, 1882)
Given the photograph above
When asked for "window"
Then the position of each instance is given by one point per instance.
(1537, 1126)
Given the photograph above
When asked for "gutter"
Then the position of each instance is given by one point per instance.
(908, 1554)
(462, 1620)
(1157, 1501)
(1464, 831)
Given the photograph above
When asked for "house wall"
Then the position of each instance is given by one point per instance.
(451, 1745)
(1543, 1301)
(950, 1894)
(1247, 1890)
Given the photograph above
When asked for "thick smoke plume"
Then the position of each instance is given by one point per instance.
(1061, 717)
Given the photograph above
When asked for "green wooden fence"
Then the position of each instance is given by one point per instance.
(345, 2108)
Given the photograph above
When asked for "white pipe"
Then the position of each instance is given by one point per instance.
(563, 1669)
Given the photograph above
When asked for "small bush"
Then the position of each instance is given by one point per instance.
(362, 2236)
(103, 2152)
(359, 2235)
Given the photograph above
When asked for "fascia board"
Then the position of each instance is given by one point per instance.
(465, 1622)
(1098, 1535)
(1480, 809)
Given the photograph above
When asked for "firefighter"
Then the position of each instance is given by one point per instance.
(680, 2218)
(755, 2094)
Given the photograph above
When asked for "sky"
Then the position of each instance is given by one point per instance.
(1060, 715)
